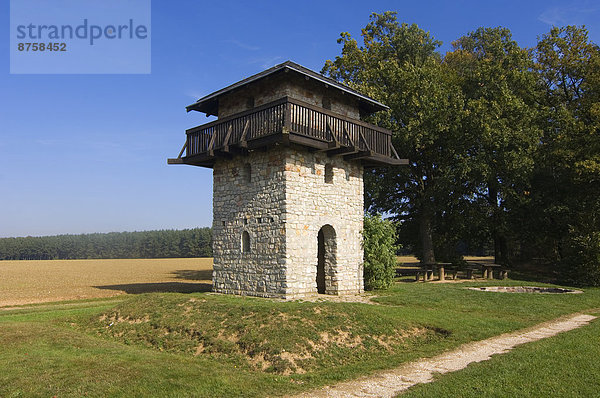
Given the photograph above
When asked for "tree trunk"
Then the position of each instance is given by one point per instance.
(426, 237)
(500, 244)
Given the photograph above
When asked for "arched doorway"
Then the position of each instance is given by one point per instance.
(326, 259)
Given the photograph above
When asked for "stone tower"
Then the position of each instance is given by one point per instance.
(288, 152)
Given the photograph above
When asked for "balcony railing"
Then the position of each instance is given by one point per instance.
(289, 120)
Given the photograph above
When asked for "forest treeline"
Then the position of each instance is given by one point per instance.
(194, 242)
(503, 142)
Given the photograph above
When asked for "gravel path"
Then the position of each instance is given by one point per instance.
(390, 383)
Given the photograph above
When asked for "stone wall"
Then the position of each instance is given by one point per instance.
(283, 207)
(313, 204)
(313, 92)
(255, 204)
(253, 95)
(262, 92)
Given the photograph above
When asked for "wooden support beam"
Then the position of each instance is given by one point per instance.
(234, 149)
(377, 160)
(330, 147)
(345, 132)
(178, 159)
(308, 142)
(264, 141)
(211, 144)
(364, 140)
(332, 133)
(342, 151)
(182, 149)
(394, 151)
(204, 160)
(243, 143)
(226, 141)
(359, 155)
(334, 143)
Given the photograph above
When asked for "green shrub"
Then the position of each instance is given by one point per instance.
(582, 261)
(379, 243)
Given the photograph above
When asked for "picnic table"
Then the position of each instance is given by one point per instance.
(429, 270)
(488, 270)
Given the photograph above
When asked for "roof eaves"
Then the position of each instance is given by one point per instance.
(292, 66)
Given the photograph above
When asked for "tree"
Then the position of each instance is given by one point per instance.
(566, 187)
(500, 114)
(399, 66)
(379, 242)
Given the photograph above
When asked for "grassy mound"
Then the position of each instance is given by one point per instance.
(204, 345)
(275, 337)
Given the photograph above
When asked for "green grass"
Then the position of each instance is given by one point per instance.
(204, 345)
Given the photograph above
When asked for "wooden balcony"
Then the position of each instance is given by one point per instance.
(288, 122)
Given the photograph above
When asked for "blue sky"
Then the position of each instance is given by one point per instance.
(87, 153)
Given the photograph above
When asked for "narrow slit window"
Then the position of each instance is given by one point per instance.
(329, 173)
(249, 102)
(326, 103)
(245, 242)
(248, 172)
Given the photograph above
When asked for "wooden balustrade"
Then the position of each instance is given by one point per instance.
(291, 120)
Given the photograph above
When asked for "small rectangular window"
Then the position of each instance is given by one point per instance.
(245, 242)
(248, 172)
(329, 173)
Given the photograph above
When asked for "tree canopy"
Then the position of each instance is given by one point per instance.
(503, 141)
(398, 65)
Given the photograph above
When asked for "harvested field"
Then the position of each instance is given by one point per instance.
(26, 282)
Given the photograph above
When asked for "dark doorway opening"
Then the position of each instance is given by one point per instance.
(321, 263)
(326, 260)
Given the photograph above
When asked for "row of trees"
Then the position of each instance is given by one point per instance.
(503, 141)
(147, 244)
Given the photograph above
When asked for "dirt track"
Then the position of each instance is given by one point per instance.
(26, 282)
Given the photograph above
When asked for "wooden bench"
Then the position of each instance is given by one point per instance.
(409, 271)
(430, 269)
(487, 270)
(470, 269)
(452, 272)
(425, 273)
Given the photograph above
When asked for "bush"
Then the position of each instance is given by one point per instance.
(581, 265)
(379, 243)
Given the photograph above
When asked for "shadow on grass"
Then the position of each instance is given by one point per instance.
(193, 275)
(162, 287)
(527, 276)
